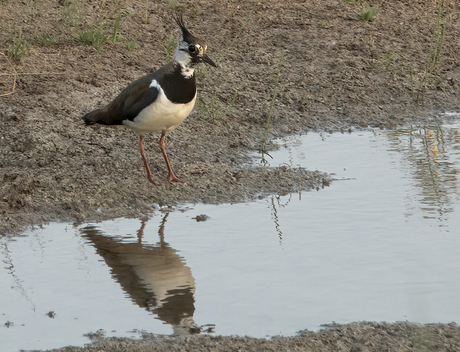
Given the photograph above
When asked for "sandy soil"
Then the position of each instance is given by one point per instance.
(337, 73)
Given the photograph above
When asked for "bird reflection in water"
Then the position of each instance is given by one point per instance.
(155, 277)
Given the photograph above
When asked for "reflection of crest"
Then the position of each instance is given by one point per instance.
(154, 276)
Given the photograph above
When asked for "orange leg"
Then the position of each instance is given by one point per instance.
(171, 177)
(144, 159)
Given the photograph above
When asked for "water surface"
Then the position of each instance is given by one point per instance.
(380, 244)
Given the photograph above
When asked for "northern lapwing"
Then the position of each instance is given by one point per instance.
(160, 101)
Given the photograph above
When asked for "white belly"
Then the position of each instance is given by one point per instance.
(162, 115)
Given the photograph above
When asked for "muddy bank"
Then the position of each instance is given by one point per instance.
(337, 73)
(351, 337)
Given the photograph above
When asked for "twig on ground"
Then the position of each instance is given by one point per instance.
(15, 74)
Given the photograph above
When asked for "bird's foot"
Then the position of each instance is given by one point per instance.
(173, 178)
(151, 179)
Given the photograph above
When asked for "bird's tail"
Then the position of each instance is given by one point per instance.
(93, 117)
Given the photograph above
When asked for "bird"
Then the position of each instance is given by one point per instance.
(160, 101)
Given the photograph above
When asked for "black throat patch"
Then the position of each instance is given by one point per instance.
(177, 88)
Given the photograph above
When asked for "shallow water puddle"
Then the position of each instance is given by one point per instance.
(380, 244)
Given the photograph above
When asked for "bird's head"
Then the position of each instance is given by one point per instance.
(191, 50)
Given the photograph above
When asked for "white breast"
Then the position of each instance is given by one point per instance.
(162, 115)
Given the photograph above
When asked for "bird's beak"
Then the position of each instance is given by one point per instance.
(206, 59)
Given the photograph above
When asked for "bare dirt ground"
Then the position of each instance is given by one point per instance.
(363, 337)
(338, 73)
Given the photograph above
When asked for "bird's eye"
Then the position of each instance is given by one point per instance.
(192, 48)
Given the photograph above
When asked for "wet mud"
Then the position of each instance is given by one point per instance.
(369, 337)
